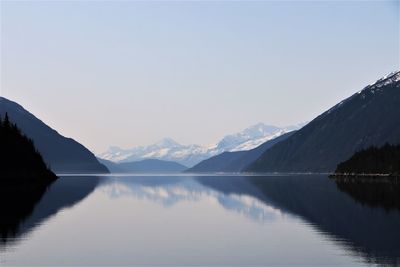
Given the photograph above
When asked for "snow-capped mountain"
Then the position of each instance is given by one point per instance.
(189, 155)
(251, 137)
(166, 149)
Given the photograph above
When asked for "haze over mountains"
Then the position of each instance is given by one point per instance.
(189, 155)
(144, 166)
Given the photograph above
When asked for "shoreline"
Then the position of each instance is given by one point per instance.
(365, 177)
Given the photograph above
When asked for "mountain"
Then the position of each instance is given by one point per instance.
(111, 166)
(189, 155)
(144, 166)
(19, 159)
(252, 137)
(63, 155)
(153, 165)
(166, 149)
(369, 117)
(236, 161)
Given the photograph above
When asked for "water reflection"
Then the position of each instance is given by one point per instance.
(370, 193)
(172, 190)
(366, 229)
(17, 201)
(25, 210)
(370, 231)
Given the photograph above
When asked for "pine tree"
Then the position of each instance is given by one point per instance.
(6, 120)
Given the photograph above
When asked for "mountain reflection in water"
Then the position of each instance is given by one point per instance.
(62, 193)
(367, 230)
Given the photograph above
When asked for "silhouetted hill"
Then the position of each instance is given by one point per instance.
(144, 166)
(62, 154)
(235, 161)
(373, 160)
(18, 157)
(369, 117)
(24, 177)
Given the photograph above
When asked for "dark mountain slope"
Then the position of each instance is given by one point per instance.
(144, 166)
(218, 163)
(370, 117)
(60, 153)
(111, 165)
(19, 159)
(235, 161)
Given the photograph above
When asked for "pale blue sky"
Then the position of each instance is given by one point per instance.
(129, 73)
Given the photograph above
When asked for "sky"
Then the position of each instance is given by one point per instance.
(130, 73)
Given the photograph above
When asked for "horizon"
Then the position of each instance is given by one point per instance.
(131, 73)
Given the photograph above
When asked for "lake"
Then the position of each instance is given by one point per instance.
(277, 220)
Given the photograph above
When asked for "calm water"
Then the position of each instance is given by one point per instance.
(220, 220)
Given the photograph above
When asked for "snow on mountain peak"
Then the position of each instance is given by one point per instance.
(393, 77)
(167, 143)
(385, 80)
(234, 142)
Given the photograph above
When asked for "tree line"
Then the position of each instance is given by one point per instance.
(18, 155)
(373, 160)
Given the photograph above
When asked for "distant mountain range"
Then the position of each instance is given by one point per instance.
(369, 117)
(144, 166)
(62, 154)
(189, 155)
